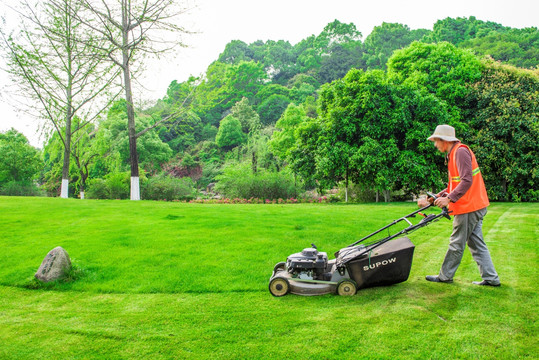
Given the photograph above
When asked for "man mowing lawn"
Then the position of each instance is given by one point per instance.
(467, 200)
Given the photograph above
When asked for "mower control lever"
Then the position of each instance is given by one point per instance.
(445, 213)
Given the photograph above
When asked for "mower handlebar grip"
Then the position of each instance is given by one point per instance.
(434, 196)
(445, 210)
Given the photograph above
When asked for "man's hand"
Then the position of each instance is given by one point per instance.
(441, 202)
(423, 202)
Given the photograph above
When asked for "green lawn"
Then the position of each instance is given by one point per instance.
(164, 280)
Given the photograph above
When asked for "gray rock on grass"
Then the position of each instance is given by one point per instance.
(55, 265)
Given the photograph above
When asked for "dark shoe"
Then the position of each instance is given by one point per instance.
(484, 283)
(435, 278)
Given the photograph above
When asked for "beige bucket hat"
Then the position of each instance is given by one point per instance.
(444, 132)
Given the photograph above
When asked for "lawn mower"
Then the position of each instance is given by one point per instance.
(359, 265)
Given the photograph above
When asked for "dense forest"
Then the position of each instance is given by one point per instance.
(332, 115)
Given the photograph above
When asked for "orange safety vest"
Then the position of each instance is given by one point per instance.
(476, 197)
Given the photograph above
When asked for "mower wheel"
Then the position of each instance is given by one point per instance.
(279, 286)
(347, 288)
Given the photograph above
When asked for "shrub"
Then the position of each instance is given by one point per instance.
(238, 181)
(209, 174)
(97, 189)
(229, 134)
(118, 185)
(357, 194)
(114, 186)
(163, 187)
(21, 188)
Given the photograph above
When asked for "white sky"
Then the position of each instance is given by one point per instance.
(220, 21)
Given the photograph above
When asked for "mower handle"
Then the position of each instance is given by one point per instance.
(427, 220)
(445, 211)
(434, 196)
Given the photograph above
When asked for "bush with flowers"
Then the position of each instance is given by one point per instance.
(321, 199)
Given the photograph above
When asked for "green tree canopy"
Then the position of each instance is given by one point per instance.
(19, 161)
(519, 47)
(229, 134)
(440, 69)
(284, 138)
(385, 39)
(504, 118)
(272, 108)
(374, 133)
(269, 90)
(249, 119)
(224, 85)
(236, 51)
(461, 29)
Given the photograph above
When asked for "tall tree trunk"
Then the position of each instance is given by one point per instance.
(387, 196)
(67, 152)
(83, 177)
(133, 155)
(254, 163)
(295, 183)
(64, 190)
(82, 186)
(83, 173)
(346, 188)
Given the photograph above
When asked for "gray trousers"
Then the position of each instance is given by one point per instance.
(467, 229)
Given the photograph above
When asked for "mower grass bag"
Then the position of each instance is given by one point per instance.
(390, 263)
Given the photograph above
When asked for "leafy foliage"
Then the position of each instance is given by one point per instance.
(238, 181)
(249, 119)
(519, 47)
(20, 162)
(371, 133)
(461, 29)
(113, 186)
(272, 108)
(21, 188)
(113, 142)
(163, 187)
(285, 137)
(230, 133)
(496, 108)
(505, 121)
(441, 69)
(384, 40)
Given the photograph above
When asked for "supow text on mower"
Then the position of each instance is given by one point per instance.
(379, 263)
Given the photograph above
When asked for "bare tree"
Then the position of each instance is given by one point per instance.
(134, 29)
(54, 62)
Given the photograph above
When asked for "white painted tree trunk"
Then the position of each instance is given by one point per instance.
(82, 195)
(346, 194)
(135, 188)
(63, 189)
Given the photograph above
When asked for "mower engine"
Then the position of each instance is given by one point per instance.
(310, 264)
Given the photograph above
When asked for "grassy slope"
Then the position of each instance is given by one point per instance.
(190, 281)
